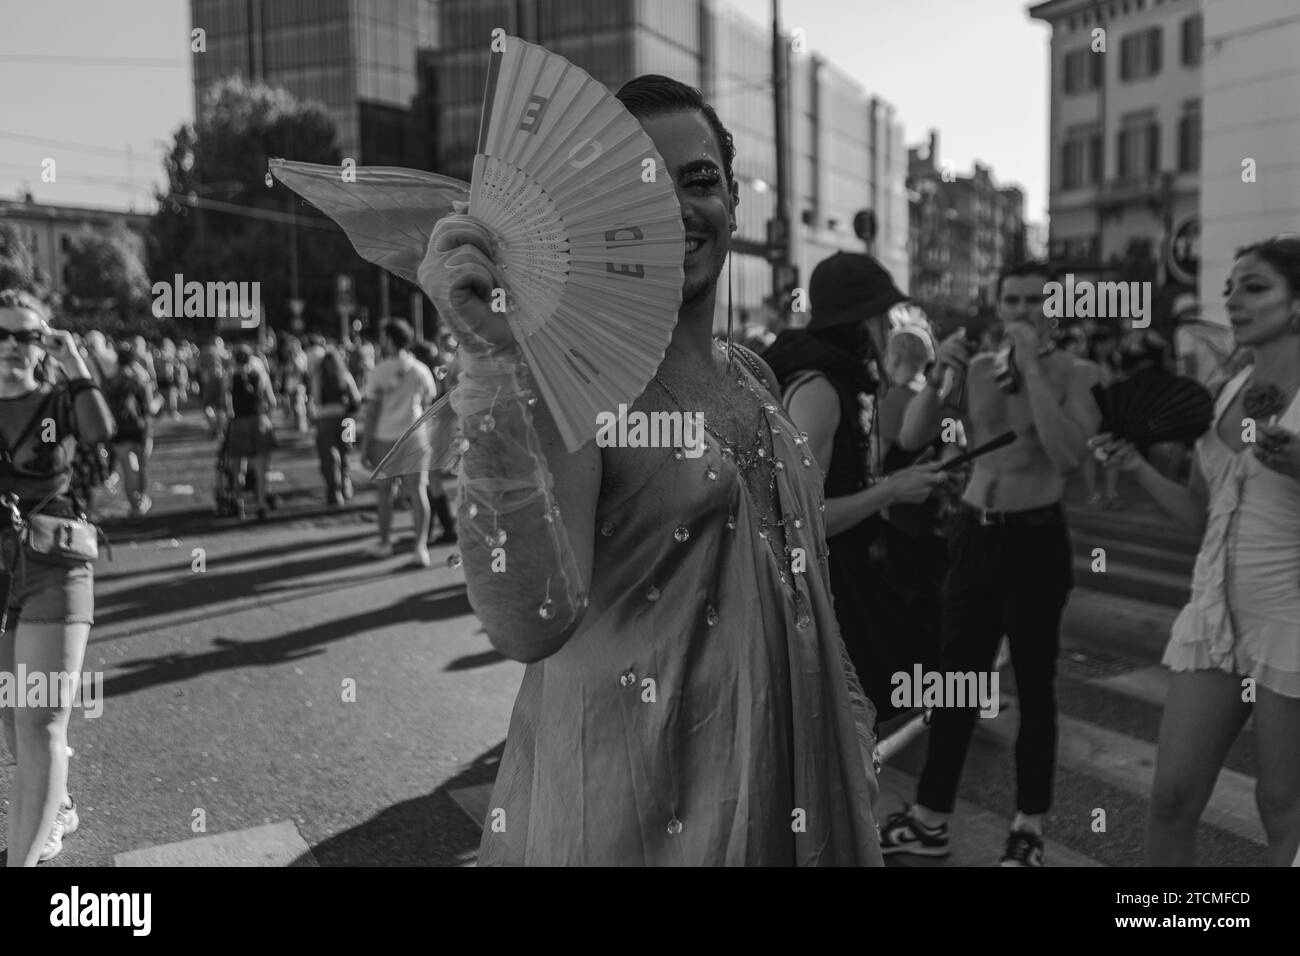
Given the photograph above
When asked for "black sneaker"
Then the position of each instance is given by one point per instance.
(1024, 848)
(903, 833)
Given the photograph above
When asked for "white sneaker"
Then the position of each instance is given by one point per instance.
(381, 549)
(66, 822)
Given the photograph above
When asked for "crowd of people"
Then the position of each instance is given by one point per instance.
(763, 593)
(78, 412)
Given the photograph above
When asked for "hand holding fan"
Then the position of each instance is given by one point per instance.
(589, 247)
(1153, 406)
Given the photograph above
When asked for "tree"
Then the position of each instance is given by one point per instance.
(223, 160)
(105, 273)
(18, 268)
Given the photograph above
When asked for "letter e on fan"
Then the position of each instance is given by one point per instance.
(633, 235)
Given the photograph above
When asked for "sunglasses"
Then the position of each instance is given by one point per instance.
(23, 336)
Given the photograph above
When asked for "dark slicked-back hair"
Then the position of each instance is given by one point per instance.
(1031, 268)
(655, 95)
(1282, 253)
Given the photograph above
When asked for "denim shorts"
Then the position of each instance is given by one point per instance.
(49, 593)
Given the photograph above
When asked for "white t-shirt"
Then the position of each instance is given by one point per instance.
(404, 388)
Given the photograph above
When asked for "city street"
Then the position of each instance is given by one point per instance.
(296, 703)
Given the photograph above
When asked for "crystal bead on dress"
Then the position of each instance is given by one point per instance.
(711, 616)
(652, 593)
(627, 679)
(807, 462)
(472, 511)
(682, 534)
(762, 453)
(778, 464)
(269, 181)
(607, 528)
(453, 560)
(461, 446)
(546, 610)
(487, 423)
(679, 454)
(495, 537)
(798, 522)
(731, 522)
(440, 372)
(674, 827)
(711, 473)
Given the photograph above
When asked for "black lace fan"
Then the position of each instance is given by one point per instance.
(1153, 406)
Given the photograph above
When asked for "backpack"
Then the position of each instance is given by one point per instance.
(125, 406)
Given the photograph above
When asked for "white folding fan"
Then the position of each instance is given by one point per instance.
(589, 235)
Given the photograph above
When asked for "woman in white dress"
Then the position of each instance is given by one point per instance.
(1235, 648)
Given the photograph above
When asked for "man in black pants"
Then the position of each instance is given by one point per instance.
(1011, 564)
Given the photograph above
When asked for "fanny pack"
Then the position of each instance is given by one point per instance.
(54, 539)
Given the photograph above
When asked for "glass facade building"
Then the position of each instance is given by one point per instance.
(404, 79)
(360, 59)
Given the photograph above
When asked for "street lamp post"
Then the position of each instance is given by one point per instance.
(779, 228)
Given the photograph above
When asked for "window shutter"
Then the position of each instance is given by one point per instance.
(1153, 148)
(1096, 66)
(1121, 165)
(1126, 58)
(1098, 156)
(1155, 50)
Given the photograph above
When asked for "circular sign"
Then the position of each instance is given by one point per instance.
(1184, 254)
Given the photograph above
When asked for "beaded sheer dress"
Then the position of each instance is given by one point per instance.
(704, 712)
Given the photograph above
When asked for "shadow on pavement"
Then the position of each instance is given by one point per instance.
(427, 831)
(308, 641)
(103, 576)
(188, 590)
(471, 661)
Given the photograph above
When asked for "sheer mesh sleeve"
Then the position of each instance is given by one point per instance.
(521, 571)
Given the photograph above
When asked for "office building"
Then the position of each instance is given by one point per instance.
(360, 59)
(48, 231)
(1125, 131)
(1251, 73)
(963, 231)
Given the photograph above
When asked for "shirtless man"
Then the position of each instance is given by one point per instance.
(1011, 562)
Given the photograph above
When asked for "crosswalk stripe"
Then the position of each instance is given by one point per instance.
(1148, 684)
(273, 844)
(1128, 763)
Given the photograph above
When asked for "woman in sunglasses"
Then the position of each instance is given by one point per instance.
(1235, 648)
(47, 609)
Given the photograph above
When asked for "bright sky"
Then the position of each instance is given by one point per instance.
(975, 70)
(950, 64)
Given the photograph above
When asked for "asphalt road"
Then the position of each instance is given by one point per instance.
(228, 695)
